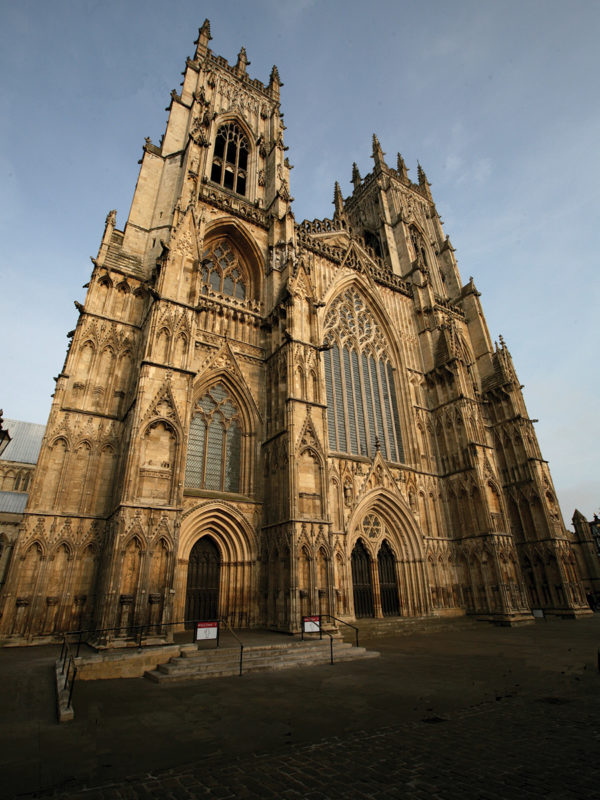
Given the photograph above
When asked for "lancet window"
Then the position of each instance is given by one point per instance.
(214, 445)
(222, 272)
(230, 158)
(359, 378)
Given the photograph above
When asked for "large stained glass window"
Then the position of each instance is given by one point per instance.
(214, 445)
(359, 378)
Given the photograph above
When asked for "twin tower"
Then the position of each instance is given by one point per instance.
(259, 419)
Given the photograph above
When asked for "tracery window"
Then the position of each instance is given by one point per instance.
(230, 158)
(359, 378)
(214, 445)
(222, 272)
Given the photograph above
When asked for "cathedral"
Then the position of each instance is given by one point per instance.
(260, 419)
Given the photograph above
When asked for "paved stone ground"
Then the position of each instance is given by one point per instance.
(475, 713)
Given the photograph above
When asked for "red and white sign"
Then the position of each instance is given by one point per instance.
(311, 624)
(206, 630)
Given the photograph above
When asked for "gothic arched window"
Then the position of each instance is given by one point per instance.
(230, 158)
(359, 378)
(214, 445)
(222, 271)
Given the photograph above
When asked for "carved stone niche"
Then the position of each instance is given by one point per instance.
(80, 599)
(23, 601)
(126, 599)
(154, 598)
(52, 601)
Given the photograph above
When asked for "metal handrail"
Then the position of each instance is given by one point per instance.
(135, 632)
(321, 632)
(237, 638)
(337, 619)
(68, 660)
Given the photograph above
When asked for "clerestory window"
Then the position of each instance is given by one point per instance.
(222, 271)
(230, 158)
(362, 408)
(214, 444)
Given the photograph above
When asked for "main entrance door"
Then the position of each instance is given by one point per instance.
(202, 599)
(361, 581)
(388, 586)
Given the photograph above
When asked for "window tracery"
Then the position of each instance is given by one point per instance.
(230, 158)
(361, 396)
(222, 271)
(214, 445)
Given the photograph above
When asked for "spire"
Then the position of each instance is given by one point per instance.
(338, 201)
(378, 154)
(275, 82)
(242, 62)
(402, 168)
(356, 179)
(203, 39)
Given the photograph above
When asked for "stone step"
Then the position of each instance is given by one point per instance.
(225, 662)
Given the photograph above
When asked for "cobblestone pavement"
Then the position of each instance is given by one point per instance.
(483, 713)
(505, 749)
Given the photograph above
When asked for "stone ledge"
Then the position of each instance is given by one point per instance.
(129, 663)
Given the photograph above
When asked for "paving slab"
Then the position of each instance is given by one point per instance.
(474, 712)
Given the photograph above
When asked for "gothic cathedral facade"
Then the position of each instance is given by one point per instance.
(259, 419)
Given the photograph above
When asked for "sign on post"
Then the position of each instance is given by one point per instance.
(207, 630)
(311, 624)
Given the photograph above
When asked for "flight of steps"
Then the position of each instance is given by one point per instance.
(194, 663)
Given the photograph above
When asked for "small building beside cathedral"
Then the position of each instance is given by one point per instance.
(260, 419)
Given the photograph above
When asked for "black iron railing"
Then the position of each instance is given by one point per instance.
(68, 670)
(348, 625)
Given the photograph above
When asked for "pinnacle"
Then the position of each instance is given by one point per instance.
(338, 200)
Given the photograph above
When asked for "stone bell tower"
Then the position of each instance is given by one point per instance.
(155, 436)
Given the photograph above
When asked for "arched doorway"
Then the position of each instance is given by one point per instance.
(388, 585)
(361, 580)
(202, 597)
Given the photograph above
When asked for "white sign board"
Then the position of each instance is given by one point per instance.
(538, 612)
(206, 630)
(311, 624)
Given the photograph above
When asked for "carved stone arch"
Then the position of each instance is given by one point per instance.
(159, 457)
(39, 542)
(135, 531)
(237, 544)
(62, 542)
(162, 345)
(309, 438)
(304, 543)
(123, 286)
(398, 518)
(163, 406)
(223, 367)
(236, 232)
(105, 280)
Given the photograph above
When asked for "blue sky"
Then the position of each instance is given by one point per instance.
(497, 100)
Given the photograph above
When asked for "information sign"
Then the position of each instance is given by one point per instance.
(207, 630)
(311, 624)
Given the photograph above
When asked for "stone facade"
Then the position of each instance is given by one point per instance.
(259, 419)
